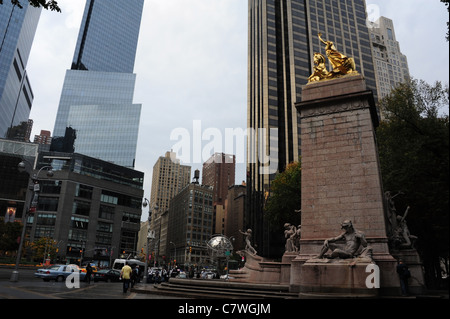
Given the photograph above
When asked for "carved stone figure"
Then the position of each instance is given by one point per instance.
(401, 237)
(354, 241)
(398, 231)
(248, 247)
(289, 233)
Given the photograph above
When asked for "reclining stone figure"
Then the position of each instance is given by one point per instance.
(354, 240)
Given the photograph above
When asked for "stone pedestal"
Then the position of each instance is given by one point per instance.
(340, 173)
(330, 278)
(258, 270)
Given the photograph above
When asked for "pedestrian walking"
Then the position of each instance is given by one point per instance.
(134, 275)
(404, 274)
(88, 273)
(125, 274)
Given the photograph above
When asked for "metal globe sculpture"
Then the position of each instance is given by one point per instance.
(218, 246)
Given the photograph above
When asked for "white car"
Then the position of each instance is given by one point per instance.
(59, 272)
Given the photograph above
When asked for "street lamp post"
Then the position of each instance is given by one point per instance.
(150, 235)
(22, 167)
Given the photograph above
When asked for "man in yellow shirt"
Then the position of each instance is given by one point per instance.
(125, 273)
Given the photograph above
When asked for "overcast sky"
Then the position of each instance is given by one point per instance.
(191, 68)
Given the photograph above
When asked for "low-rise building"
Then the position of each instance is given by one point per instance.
(89, 207)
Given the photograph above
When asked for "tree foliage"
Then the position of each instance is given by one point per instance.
(447, 4)
(46, 4)
(10, 235)
(285, 198)
(413, 143)
(44, 247)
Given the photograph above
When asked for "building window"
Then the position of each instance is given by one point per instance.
(131, 218)
(44, 231)
(109, 199)
(81, 208)
(83, 191)
(79, 223)
(48, 204)
(46, 219)
(106, 212)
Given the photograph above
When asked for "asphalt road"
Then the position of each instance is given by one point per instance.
(29, 287)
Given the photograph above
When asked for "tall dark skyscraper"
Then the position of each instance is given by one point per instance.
(97, 96)
(17, 29)
(283, 36)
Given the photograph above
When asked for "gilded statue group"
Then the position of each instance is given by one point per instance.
(341, 64)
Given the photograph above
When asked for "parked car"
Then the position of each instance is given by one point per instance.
(59, 272)
(108, 275)
(182, 275)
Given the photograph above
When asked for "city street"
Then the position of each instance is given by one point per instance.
(29, 287)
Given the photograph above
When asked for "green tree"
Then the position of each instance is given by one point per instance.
(46, 4)
(413, 142)
(447, 4)
(10, 235)
(43, 247)
(285, 198)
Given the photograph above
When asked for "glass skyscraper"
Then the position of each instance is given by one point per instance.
(283, 37)
(97, 95)
(17, 30)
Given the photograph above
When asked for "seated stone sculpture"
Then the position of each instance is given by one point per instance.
(354, 241)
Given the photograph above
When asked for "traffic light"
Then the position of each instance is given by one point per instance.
(190, 249)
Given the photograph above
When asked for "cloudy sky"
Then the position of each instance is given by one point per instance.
(191, 68)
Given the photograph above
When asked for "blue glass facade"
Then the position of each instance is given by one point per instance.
(17, 30)
(108, 36)
(97, 96)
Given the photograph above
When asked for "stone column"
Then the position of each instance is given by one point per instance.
(340, 171)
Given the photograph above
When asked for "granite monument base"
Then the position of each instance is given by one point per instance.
(342, 278)
(260, 270)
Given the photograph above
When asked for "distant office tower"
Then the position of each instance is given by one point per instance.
(283, 37)
(391, 65)
(44, 137)
(219, 172)
(97, 96)
(17, 30)
(168, 178)
(190, 225)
